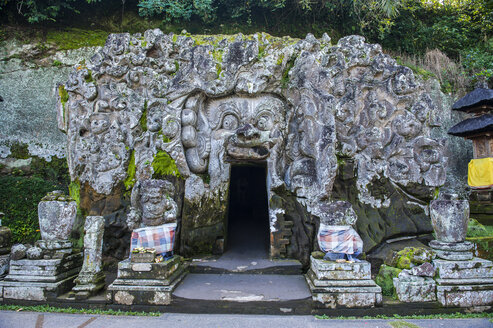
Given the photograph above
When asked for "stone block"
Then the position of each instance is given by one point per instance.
(346, 297)
(475, 268)
(162, 270)
(465, 295)
(330, 270)
(143, 292)
(56, 216)
(36, 291)
(415, 291)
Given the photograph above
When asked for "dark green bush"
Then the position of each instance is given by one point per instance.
(19, 198)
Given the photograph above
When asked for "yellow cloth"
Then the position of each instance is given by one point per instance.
(480, 172)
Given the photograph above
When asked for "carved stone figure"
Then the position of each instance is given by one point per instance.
(152, 204)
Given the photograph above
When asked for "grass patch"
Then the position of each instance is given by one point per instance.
(403, 324)
(73, 38)
(52, 309)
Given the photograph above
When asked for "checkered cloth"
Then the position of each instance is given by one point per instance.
(339, 239)
(161, 238)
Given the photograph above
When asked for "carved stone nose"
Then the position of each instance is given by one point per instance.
(248, 131)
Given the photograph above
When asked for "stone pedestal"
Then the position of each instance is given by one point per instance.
(146, 283)
(40, 280)
(343, 285)
(91, 278)
(461, 251)
(464, 283)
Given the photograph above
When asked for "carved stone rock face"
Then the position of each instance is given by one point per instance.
(341, 121)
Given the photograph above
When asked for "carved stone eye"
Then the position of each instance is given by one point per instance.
(264, 123)
(230, 122)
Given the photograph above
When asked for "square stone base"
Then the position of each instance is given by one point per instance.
(476, 268)
(35, 291)
(342, 285)
(146, 283)
(422, 290)
(40, 280)
(465, 295)
(354, 296)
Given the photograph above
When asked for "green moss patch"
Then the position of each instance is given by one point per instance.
(385, 279)
(163, 165)
(130, 180)
(73, 38)
(409, 257)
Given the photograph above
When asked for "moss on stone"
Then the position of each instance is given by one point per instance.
(318, 255)
(74, 191)
(130, 180)
(280, 60)
(285, 73)
(143, 118)
(74, 38)
(219, 70)
(163, 165)
(19, 150)
(385, 277)
(409, 257)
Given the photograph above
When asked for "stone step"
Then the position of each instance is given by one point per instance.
(243, 288)
(212, 265)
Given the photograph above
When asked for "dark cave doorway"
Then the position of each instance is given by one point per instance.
(248, 212)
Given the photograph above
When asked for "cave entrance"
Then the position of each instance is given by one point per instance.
(248, 212)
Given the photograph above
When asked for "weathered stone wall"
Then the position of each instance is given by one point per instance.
(28, 87)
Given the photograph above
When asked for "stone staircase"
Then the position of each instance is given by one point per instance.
(241, 281)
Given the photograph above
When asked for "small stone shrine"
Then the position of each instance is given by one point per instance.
(48, 269)
(91, 277)
(151, 273)
(339, 282)
(478, 129)
(5, 243)
(462, 280)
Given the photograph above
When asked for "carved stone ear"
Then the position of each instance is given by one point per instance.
(196, 163)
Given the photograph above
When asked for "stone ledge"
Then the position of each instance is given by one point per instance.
(41, 278)
(330, 270)
(475, 268)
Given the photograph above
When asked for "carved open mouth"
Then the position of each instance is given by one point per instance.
(255, 152)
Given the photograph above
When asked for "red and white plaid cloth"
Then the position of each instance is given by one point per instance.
(161, 238)
(339, 239)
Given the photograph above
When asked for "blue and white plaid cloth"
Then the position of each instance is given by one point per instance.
(339, 239)
(161, 238)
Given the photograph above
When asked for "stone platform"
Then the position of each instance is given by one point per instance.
(464, 283)
(347, 285)
(40, 280)
(146, 283)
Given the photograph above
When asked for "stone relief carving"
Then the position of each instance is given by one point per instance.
(151, 204)
(300, 106)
